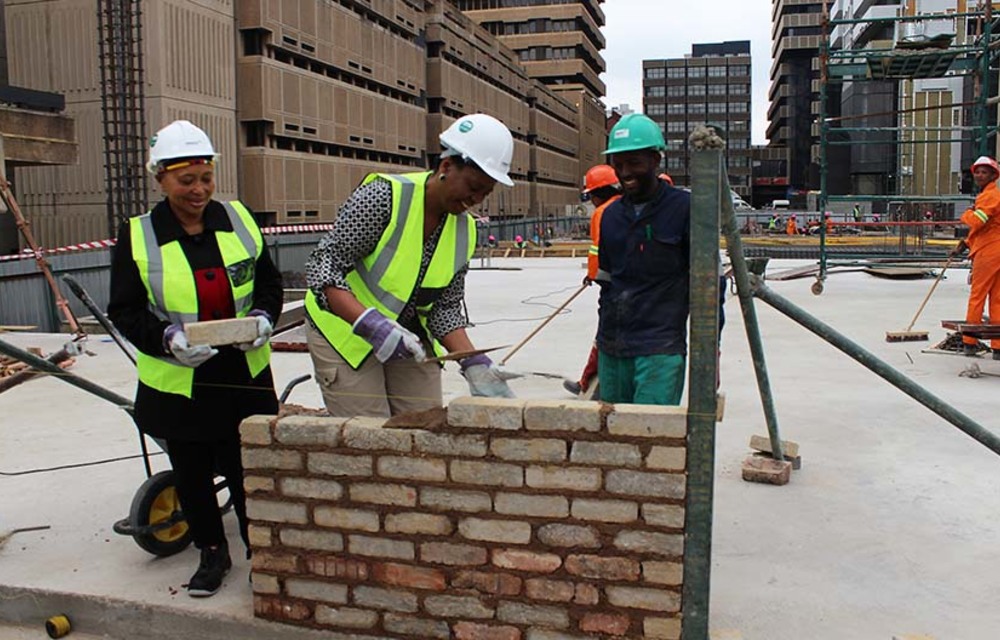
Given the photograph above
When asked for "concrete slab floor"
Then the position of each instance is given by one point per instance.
(888, 529)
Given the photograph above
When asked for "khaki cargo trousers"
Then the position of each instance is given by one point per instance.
(376, 390)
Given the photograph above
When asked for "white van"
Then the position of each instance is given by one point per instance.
(779, 205)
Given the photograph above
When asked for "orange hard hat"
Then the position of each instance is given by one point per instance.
(666, 178)
(986, 161)
(599, 175)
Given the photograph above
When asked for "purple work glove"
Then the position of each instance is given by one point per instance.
(486, 378)
(264, 330)
(176, 343)
(389, 340)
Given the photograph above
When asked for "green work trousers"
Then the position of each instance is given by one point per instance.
(657, 379)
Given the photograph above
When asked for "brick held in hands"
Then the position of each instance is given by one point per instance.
(221, 332)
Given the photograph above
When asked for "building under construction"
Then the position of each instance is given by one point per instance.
(301, 99)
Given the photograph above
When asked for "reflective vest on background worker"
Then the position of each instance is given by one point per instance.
(386, 278)
(791, 228)
(984, 228)
(593, 272)
(173, 294)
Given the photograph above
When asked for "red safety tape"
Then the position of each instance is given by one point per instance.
(28, 254)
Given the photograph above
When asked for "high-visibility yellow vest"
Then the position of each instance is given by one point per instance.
(387, 278)
(173, 295)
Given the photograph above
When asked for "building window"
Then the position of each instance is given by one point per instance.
(716, 71)
(697, 107)
(738, 143)
(656, 91)
(655, 109)
(675, 162)
(739, 89)
(696, 89)
(675, 72)
(675, 127)
(739, 107)
(656, 73)
(737, 125)
(696, 72)
(675, 108)
(739, 70)
(717, 107)
(676, 90)
(716, 89)
(676, 143)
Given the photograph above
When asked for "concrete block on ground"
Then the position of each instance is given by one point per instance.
(766, 470)
(763, 443)
(220, 332)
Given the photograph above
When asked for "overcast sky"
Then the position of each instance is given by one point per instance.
(638, 30)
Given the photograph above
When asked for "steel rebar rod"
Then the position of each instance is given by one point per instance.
(878, 366)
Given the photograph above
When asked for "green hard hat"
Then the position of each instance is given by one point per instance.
(633, 132)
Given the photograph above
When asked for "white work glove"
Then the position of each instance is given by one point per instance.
(176, 342)
(486, 378)
(389, 340)
(264, 330)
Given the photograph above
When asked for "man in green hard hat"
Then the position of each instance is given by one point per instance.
(644, 247)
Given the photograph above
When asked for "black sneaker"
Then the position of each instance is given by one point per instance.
(207, 580)
(572, 386)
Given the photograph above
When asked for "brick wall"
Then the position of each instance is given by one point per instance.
(537, 520)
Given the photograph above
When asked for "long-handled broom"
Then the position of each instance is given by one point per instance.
(916, 336)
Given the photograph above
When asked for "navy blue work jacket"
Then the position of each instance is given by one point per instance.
(644, 306)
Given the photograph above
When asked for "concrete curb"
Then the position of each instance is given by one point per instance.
(123, 619)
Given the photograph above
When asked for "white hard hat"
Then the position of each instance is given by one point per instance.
(483, 140)
(179, 139)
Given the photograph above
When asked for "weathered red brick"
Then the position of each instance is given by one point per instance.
(614, 624)
(274, 562)
(603, 568)
(502, 584)
(277, 609)
(526, 560)
(586, 594)
(335, 567)
(551, 590)
(473, 631)
(403, 575)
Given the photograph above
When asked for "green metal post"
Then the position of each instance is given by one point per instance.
(824, 61)
(707, 169)
(878, 366)
(734, 245)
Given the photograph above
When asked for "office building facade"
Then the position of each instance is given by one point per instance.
(712, 85)
(302, 98)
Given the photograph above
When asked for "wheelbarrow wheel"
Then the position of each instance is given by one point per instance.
(155, 502)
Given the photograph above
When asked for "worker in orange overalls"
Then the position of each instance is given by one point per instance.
(600, 186)
(791, 228)
(983, 243)
(829, 223)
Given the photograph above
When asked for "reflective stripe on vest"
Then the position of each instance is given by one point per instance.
(387, 278)
(172, 294)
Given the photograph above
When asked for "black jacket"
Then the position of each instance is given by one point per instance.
(224, 393)
(643, 308)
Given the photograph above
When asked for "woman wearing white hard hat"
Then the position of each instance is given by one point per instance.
(386, 285)
(983, 243)
(192, 258)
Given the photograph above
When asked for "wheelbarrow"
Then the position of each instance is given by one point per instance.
(155, 520)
